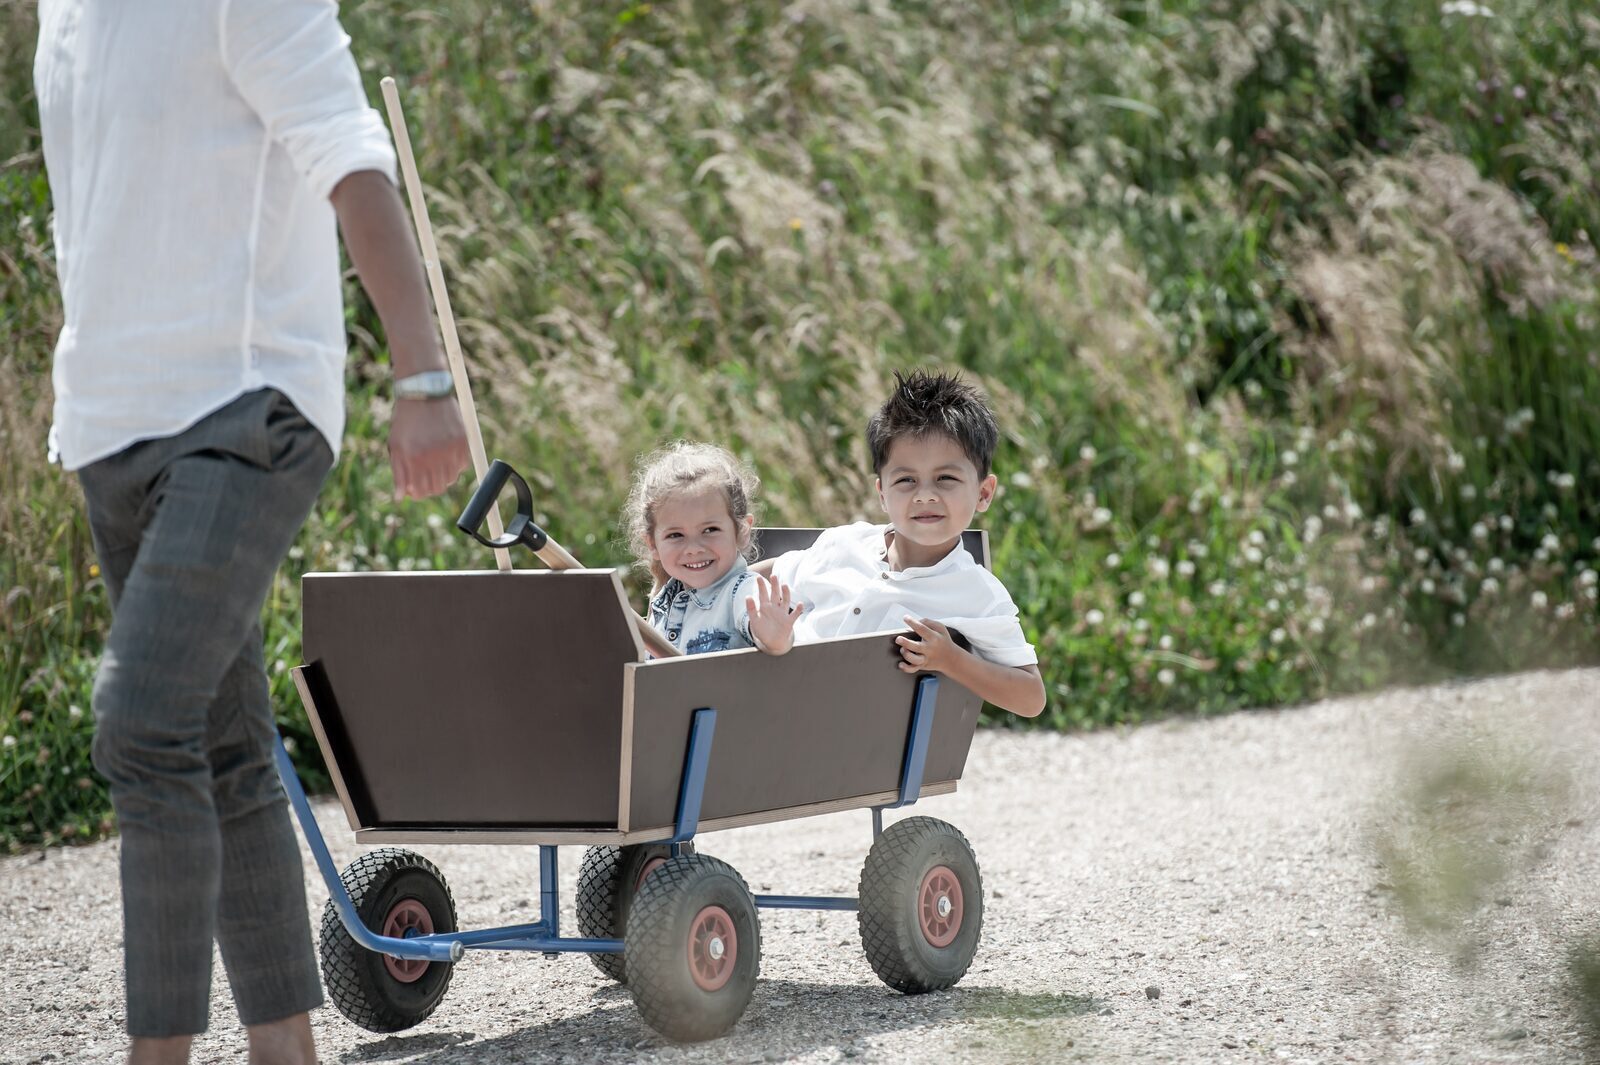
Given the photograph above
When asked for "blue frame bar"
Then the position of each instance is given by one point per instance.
(805, 902)
(922, 710)
(702, 730)
(416, 948)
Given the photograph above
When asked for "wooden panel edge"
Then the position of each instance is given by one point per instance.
(315, 718)
(449, 836)
(629, 615)
(791, 813)
(625, 776)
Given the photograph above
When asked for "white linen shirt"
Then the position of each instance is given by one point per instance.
(191, 147)
(847, 587)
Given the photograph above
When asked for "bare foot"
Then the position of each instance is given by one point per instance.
(285, 1042)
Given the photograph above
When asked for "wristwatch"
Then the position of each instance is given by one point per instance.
(430, 384)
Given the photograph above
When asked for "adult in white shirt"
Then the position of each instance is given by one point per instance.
(200, 154)
(932, 444)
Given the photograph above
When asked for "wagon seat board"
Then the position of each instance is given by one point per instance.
(462, 700)
(820, 729)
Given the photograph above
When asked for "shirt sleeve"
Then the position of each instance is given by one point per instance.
(997, 634)
(291, 61)
(786, 567)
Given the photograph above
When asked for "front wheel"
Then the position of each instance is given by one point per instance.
(395, 892)
(693, 948)
(921, 905)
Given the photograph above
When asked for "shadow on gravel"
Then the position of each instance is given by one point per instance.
(786, 1018)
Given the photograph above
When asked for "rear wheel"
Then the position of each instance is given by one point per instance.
(693, 948)
(608, 880)
(921, 905)
(396, 893)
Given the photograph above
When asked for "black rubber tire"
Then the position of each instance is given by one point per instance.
(891, 932)
(357, 980)
(606, 885)
(664, 914)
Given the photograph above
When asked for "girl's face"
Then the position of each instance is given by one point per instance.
(696, 540)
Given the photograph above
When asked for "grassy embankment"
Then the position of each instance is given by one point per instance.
(1288, 310)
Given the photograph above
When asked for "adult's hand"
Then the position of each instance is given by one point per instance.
(427, 446)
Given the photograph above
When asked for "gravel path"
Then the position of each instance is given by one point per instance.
(1227, 864)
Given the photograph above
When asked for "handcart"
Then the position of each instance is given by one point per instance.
(520, 707)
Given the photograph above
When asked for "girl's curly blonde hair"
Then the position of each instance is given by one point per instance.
(683, 467)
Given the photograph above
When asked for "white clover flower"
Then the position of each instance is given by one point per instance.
(1422, 555)
(1588, 578)
(1196, 504)
(1541, 555)
(1419, 516)
(406, 565)
(1480, 531)
(1257, 537)
(1272, 606)
(1021, 479)
(1167, 677)
(1136, 599)
(1330, 512)
(1290, 458)
(1252, 555)
(1490, 586)
(1506, 523)
(1290, 480)
(1469, 492)
(1458, 619)
(1594, 545)
(1113, 560)
(1496, 566)
(1278, 635)
(1550, 542)
(1165, 643)
(1159, 568)
(1539, 600)
(1368, 620)
(345, 565)
(435, 521)
(1217, 589)
(1352, 511)
(1141, 625)
(279, 665)
(1100, 517)
(74, 711)
(1198, 549)
(1427, 586)
(1094, 617)
(1455, 461)
(297, 552)
(361, 550)
(1087, 453)
(1316, 626)
(1566, 610)
(8, 741)
(1192, 448)
(1313, 529)
(1550, 511)
(1566, 482)
(1185, 568)
(1225, 500)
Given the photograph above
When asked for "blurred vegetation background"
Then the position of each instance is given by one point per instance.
(1288, 310)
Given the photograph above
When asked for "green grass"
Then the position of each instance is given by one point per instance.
(1288, 311)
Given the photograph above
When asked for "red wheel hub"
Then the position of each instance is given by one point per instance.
(649, 867)
(713, 948)
(407, 915)
(939, 906)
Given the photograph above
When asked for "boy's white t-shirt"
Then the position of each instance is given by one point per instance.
(847, 587)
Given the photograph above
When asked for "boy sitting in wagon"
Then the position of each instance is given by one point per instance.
(932, 443)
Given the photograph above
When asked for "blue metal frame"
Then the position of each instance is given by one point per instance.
(544, 935)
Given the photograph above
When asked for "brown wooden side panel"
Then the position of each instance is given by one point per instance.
(478, 699)
(827, 721)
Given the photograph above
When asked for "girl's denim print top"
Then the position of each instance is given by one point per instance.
(711, 619)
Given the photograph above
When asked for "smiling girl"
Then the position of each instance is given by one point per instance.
(689, 520)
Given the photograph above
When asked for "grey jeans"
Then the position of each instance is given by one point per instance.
(189, 530)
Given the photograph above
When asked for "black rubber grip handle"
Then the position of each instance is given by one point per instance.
(521, 529)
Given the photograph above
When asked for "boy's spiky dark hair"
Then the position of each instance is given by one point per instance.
(923, 403)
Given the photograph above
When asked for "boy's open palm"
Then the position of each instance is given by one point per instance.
(931, 650)
(772, 616)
